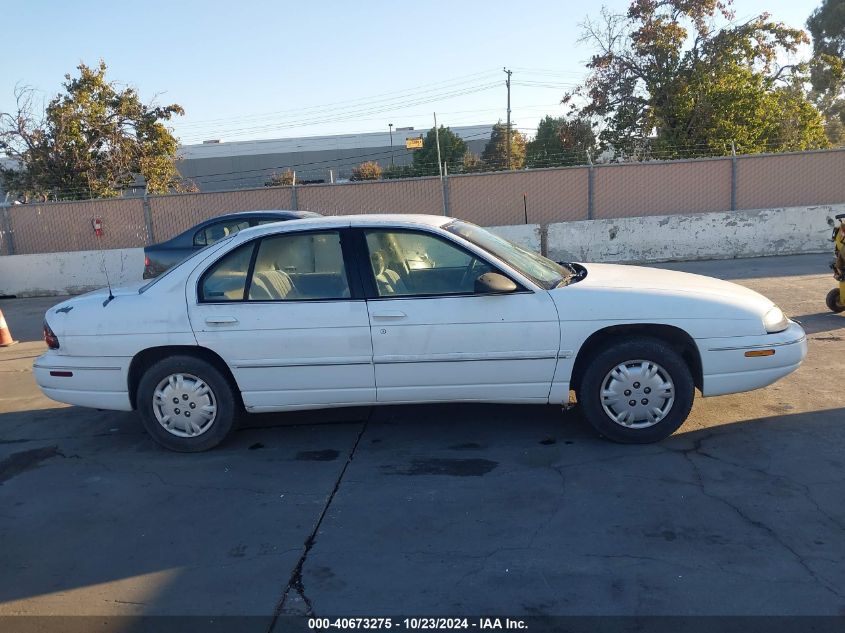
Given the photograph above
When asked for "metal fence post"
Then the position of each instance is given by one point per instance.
(591, 184)
(445, 183)
(294, 195)
(733, 176)
(148, 219)
(7, 231)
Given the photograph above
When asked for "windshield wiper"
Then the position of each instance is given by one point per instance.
(574, 273)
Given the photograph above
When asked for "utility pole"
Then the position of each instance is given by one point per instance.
(437, 139)
(508, 84)
(390, 125)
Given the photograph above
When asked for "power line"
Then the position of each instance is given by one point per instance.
(351, 115)
(369, 99)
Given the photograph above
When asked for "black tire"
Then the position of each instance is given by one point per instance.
(224, 397)
(832, 301)
(621, 351)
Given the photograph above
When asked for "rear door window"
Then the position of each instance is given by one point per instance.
(300, 267)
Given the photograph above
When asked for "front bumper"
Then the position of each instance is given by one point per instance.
(726, 369)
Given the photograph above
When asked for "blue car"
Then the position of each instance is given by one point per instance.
(160, 257)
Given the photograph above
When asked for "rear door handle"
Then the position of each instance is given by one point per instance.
(389, 314)
(221, 320)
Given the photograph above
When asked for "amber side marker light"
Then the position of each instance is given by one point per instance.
(760, 352)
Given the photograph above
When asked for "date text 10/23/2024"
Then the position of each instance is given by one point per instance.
(423, 623)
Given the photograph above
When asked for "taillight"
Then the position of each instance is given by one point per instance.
(50, 337)
(147, 261)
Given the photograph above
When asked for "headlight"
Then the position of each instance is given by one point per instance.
(775, 321)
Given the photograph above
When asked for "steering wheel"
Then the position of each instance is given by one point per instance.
(469, 273)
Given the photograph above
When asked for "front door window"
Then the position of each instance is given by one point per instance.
(410, 263)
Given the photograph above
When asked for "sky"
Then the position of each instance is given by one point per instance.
(255, 69)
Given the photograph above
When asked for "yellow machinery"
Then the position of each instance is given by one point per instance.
(836, 297)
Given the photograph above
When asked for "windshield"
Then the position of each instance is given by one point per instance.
(155, 280)
(544, 272)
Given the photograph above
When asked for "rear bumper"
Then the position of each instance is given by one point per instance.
(726, 369)
(86, 381)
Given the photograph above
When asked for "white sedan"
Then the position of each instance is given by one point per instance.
(387, 309)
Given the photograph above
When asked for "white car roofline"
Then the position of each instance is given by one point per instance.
(344, 221)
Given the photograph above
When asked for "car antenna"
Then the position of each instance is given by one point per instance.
(97, 225)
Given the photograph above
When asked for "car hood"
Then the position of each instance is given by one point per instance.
(637, 293)
(647, 279)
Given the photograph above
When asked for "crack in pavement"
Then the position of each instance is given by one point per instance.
(696, 448)
(764, 473)
(295, 582)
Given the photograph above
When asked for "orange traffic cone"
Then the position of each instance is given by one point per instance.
(5, 335)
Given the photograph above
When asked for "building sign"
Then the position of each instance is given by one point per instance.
(413, 143)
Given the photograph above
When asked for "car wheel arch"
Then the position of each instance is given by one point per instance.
(147, 357)
(674, 336)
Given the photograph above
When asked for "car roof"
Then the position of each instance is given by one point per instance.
(398, 220)
(279, 212)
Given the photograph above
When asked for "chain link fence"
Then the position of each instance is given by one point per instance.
(537, 196)
(412, 195)
(67, 226)
(172, 214)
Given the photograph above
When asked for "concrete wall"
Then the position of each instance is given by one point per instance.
(75, 272)
(755, 233)
(47, 274)
(526, 235)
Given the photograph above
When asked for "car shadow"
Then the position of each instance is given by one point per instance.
(821, 322)
(89, 501)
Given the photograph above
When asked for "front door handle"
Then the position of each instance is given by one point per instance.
(221, 320)
(389, 314)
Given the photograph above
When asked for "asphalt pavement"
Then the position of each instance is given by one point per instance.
(436, 510)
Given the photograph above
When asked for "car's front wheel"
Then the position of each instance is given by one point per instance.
(637, 391)
(186, 404)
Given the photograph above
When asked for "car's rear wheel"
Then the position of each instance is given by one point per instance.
(637, 391)
(832, 301)
(186, 404)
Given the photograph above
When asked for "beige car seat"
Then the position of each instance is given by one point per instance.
(388, 281)
(271, 285)
(268, 282)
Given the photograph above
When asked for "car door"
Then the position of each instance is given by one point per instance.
(436, 339)
(283, 312)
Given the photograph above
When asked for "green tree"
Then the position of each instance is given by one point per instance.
(452, 149)
(398, 171)
(284, 179)
(827, 28)
(370, 170)
(678, 78)
(93, 140)
(495, 153)
(560, 141)
(471, 163)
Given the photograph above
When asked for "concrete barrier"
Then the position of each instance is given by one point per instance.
(526, 235)
(48, 274)
(763, 232)
(758, 233)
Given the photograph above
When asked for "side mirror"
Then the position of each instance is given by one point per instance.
(494, 283)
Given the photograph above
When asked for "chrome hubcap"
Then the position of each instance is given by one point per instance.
(637, 394)
(184, 405)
